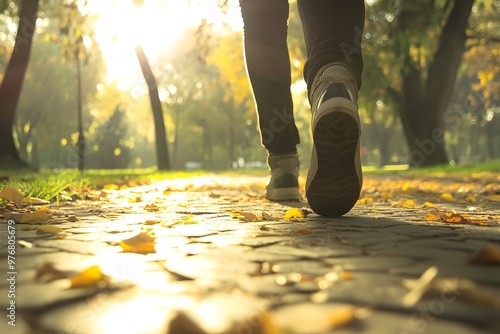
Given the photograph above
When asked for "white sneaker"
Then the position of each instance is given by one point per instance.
(284, 183)
(334, 179)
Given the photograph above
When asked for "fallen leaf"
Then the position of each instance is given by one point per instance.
(47, 272)
(267, 216)
(72, 219)
(294, 213)
(429, 205)
(342, 316)
(386, 195)
(111, 187)
(12, 195)
(447, 198)
(34, 201)
(365, 200)
(303, 230)
(409, 204)
(151, 222)
(88, 278)
(433, 216)
(493, 198)
(45, 229)
(487, 256)
(142, 243)
(264, 228)
(249, 217)
(452, 217)
(152, 208)
(470, 199)
(36, 217)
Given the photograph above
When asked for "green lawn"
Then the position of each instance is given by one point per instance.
(54, 185)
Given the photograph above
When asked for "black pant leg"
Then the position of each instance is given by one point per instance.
(268, 66)
(333, 30)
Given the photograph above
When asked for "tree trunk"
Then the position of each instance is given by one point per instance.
(160, 130)
(425, 102)
(12, 83)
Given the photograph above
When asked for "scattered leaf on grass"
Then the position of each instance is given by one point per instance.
(142, 243)
(294, 213)
(429, 205)
(12, 195)
(47, 272)
(386, 195)
(487, 256)
(88, 278)
(447, 198)
(111, 187)
(36, 217)
(34, 201)
(46, 229)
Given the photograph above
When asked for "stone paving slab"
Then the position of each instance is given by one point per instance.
(213, 272)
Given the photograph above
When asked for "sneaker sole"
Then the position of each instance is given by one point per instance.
(334, 180)
(283, 194)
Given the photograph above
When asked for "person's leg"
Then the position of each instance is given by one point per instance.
(268, 66)
(333, 32)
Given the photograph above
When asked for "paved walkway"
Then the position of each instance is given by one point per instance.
(219, 259)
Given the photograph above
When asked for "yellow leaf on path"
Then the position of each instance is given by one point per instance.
(87, 278)
(386, 195)
(430, 205)
(406, 186)
(493, 198)
(447, 197)
(142, 243)
(409, 204)
(152, 208)
(365, 200)
(470, 199)
(12, 195)
(487, 256)
(294, 213)
(44, 229)
(452, 217)
(189, 221)
(343, 316)
(36, 217)
(433, 216)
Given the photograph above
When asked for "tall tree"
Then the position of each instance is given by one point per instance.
(425, 96)
(12, 83)
(154, 98)
(162, 154)
(419, 46)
